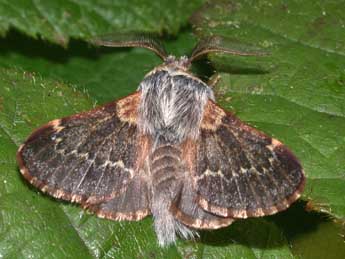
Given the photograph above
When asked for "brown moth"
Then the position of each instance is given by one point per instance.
(166, 150)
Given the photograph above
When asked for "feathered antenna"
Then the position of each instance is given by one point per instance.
(222, 45)
(142, 40)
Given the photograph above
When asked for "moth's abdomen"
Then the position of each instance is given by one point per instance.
(167, 174)
(165, 165)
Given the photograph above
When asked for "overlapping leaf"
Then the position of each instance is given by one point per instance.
(59, 20)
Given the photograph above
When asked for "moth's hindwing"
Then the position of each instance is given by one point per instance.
(132, 204)
(86, 158)
(240, 172)
(187, 210)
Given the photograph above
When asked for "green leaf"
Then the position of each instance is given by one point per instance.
(36, 225)
(296, 94)
(105, 73)
(59, 20)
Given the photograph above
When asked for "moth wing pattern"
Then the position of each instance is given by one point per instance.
(86, 158)
(240, 172)
(186, 210)
(128, 205)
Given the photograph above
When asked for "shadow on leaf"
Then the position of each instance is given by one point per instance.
(267, 232)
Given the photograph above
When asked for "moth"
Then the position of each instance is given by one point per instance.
(167, 150)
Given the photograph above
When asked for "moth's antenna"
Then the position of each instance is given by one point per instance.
(223, 45)
(142, 40)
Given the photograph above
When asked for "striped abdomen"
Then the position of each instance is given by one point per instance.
(167, 179)
(166, 166)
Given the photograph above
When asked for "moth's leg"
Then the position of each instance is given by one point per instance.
(219, 91)
(214, 80)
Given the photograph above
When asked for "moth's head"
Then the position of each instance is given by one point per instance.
(202, 48)
(181, 63)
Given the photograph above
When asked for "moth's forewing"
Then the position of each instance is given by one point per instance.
(241, 172)
(87, 158)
